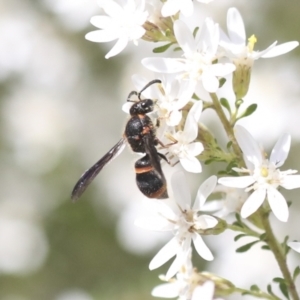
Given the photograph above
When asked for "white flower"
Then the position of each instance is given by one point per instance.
(231, 202)
(187, 285)
(171, 7)
(121, 23)
(185, 148)
(184, 221)
(242, 52)
(198, 62)
(168, 95)
(264, 176)
(295, 246)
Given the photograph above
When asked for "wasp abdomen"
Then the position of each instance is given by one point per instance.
(149, 182)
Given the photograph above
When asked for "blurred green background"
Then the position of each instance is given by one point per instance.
(60, 111)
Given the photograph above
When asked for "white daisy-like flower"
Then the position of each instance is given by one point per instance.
(264, 176)
(198, 61)
(295, 246)
(185, 147)
(171, 7)
(187, 285)
(239, 50)
(121, 23)
(183, 221)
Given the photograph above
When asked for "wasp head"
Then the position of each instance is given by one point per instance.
(142, 107)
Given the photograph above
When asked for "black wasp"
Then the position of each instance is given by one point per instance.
(140, 134)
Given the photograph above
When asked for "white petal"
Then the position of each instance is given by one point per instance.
(205, 189)
(237, 182)
(174, 118)
(291, 182)
(210, 83)
(111, 8)
(281, 150)
(184, 37)
(181, 190)
(204, 292)
(259, 54)
(154, 223)
(136, 33)
(206, 221)
(191, 164)
(163, 65)
(196, 110)
(164, 254)
(102, 22)
(167, 290)
(201, 247)
(248, 145)
(118, 47)
(191, 123)
(295, 246)
(222, 69)
(194, 149)
(252, 204)
(235, 27)
(212, 206)
(187, 89)
(102, 36)
(176, 264)
(169, 8)
(281, 49)
(278, 204)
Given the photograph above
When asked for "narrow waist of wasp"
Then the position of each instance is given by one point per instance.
(141, 170)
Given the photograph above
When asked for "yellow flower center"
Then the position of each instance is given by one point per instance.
(264, 172)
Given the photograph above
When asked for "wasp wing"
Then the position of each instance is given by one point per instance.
(89, 175)
(153, 154)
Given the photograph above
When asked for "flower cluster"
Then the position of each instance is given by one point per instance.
(202, 61)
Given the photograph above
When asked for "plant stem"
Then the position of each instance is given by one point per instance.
(227, 126)
(258, 294)
(278, 253)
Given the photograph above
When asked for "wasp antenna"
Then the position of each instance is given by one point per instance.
(130, 95)
(147, 85)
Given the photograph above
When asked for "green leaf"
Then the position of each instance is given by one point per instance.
(254, 288)
(239, 236)
(284, 290)
(221, 82)
(279, 280)
(282, 286)
(229, 145)
(177, 49)
(296, 272)
(262, 237)
(224, 102)
(249, 111)
(163, 48)
(284, 245)
(269, 289)
(265, 247)
(245, 247)
(195, 31)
